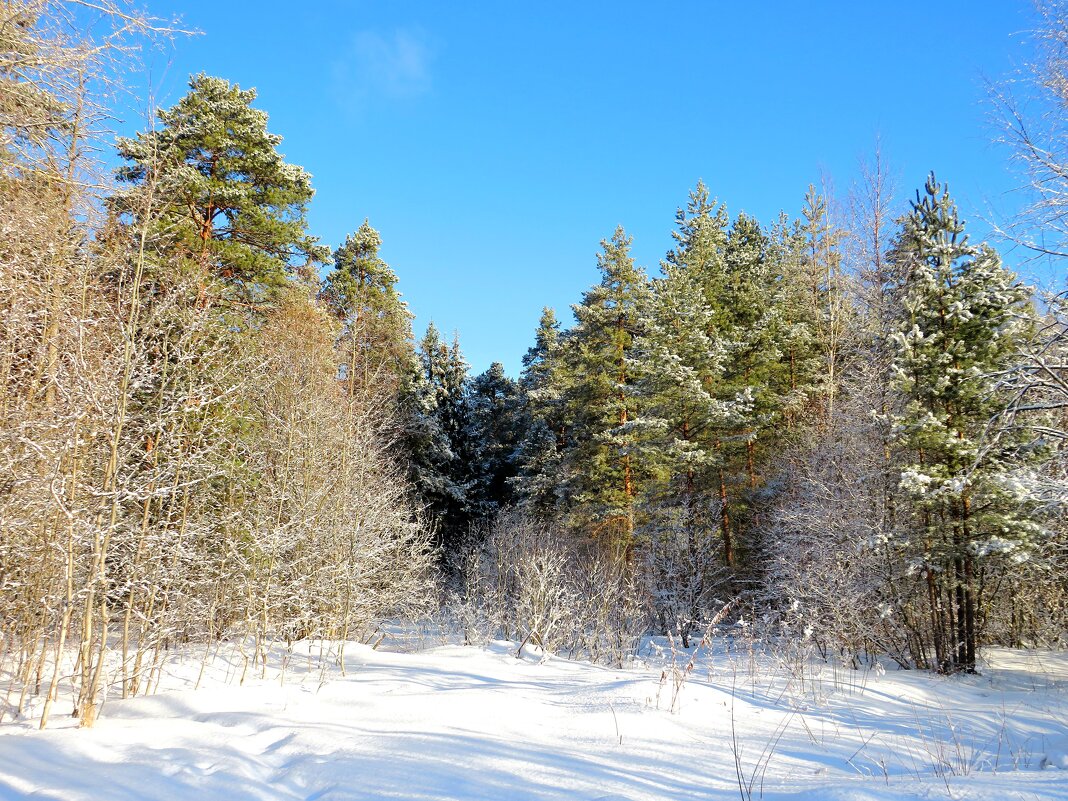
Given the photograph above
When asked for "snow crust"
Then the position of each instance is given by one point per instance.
(464, 723)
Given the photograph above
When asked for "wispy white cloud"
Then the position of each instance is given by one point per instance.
(376, 65)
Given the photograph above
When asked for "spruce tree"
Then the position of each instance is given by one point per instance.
(425, 445)
(495, 428)
(965, 316)
(538, 454)
(540, 363)
(437, 432)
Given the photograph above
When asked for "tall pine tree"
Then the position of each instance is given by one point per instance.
(377, 334)
(964, 318)
(679, 361)
(216, 191)
(601, 470)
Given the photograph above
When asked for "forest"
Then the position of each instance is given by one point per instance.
(842, 430)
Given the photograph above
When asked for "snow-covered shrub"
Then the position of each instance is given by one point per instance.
(832, 577)
(611, 608)
(684, 577)
(529, 583)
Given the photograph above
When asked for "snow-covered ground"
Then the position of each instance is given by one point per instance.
(458, 722)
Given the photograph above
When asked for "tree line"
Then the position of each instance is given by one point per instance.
(815, 417)
(846, 427)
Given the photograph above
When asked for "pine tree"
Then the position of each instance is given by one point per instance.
(802, 361)
(600, 467)
(679, 362)
(753, 377)
(964, 319)
(223, 196)
(361, 292)
(31, 109)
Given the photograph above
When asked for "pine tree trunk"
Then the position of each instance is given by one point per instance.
(968, 581)
(937, 636)
(725, 522)
(961, 645)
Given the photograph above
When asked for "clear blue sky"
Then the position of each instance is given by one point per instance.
(495, 144)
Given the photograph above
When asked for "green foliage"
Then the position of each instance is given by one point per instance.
(710, 373)
(495, 427)
(597, 396)
(361, 292)
(219, 193)
(30, 114)
(965, 317)
(659, 406)
(680, 361)
(538, 454)
(813, 310)
(436, 436)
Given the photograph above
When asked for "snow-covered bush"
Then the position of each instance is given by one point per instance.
(684, 578)
(527, 582)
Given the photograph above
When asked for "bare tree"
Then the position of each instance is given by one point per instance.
(529, 582)
(167, 476)
(1031, 116)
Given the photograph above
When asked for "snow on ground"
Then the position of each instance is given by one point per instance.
(477, 723)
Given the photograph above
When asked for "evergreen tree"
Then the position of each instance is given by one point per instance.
(801, 361)
(538, 454)
(700, 241)
(540, 364)
(964, 319)
(437, 441)
(219, 192)
(31, 109)
(425, 445)
(680, 360)
(752, 378)
(495, 429)
(600, 469)
(361, 292)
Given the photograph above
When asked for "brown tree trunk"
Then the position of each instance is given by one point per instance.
(725, 521)
(968, 587)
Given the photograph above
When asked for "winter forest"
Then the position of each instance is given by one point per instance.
(839, 434)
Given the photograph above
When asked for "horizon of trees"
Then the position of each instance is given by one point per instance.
(846, 428)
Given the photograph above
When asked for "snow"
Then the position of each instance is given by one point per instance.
(454, 722)
(1056, 755)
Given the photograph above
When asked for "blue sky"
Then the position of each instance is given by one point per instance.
(495, 145)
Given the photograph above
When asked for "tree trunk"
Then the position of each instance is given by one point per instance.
(725, 522)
